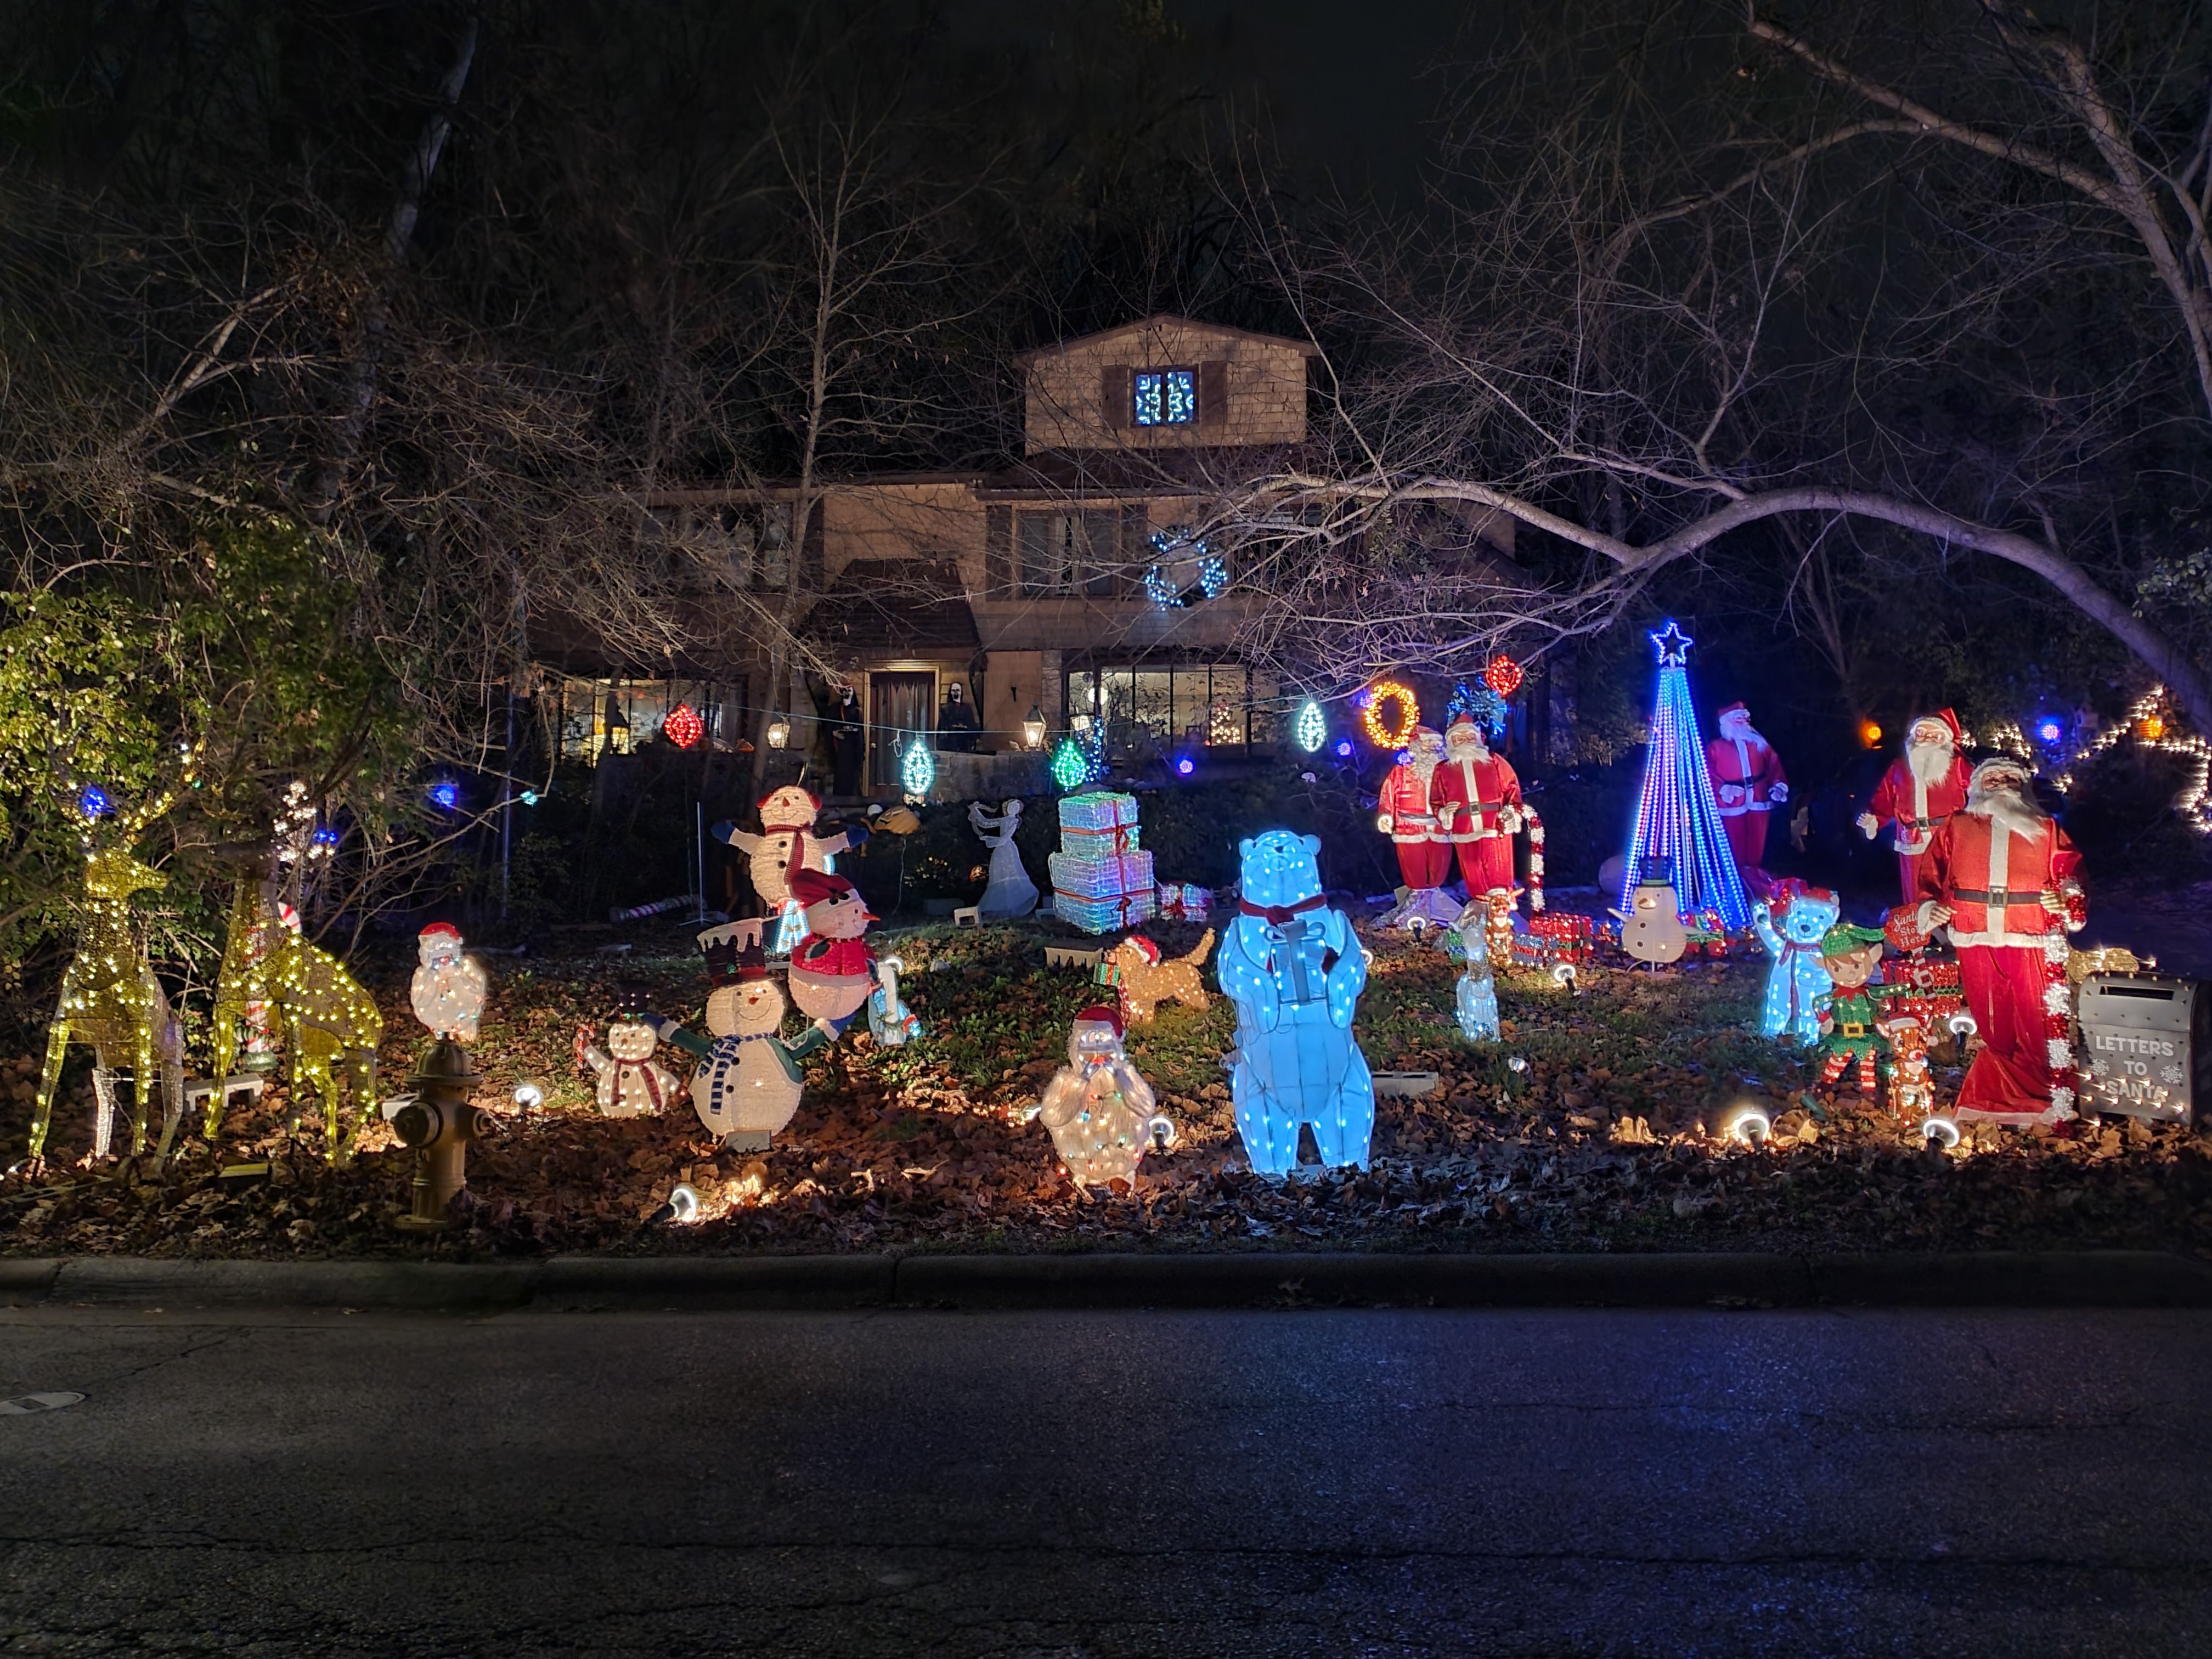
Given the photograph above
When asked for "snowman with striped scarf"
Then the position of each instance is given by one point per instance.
(748, 1082)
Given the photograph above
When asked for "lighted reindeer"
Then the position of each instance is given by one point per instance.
(111, 1002)
(1912, 1085)
(326, 1021)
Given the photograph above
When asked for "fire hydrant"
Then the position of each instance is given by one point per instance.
(439, 1124)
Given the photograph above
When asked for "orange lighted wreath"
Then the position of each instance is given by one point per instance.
(1380, 733)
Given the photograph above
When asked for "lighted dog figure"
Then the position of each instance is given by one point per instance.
(1100, 1112)
(1294, 970)
(1791, 926)
(1146, 981)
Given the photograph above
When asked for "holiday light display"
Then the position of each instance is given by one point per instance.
(1474, 998)
(1481, 702)
(890, 1022)
(684, 728)
(1294, 970)
(1100, 1112)
(1383, 732)
(1503, 675)
(1677, 816)
(917, 770)
(93, 802)
(1071, 767)
(2149, 727)
(1186, 573)
(787, 842)
(110, 999)
(631, 1083)
(1791, 926)
(1309, 729)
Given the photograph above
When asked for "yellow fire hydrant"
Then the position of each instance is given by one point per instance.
(439, 1124)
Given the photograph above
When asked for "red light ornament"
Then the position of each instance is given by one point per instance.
(1503, 675)
(684, 728)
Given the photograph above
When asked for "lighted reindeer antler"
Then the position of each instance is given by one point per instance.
(132, 824)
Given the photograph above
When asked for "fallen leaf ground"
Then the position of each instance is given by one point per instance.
(1607, 1139)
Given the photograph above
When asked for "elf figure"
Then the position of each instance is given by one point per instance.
(831, 971)
(747, 1085)
(1849, 1014)
(448, 991)
(787, 842)
(1791, 925)
(1101, 1114)
(632, 1084)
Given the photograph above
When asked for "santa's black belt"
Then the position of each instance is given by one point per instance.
(2002, 899)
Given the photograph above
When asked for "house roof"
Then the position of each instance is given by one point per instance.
(896, 607)
(1024, 359)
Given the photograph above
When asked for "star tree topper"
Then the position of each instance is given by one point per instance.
(1672, 645)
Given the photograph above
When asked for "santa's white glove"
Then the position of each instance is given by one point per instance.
(1383, 821)
(1509, 822)
(1779, 792)
(1870, 825)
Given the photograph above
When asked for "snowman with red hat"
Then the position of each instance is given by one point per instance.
(832, 970)
(787, 842)
(1101, 1114)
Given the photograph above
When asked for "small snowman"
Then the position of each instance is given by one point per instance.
(832, 972)
(1476, 998)
(632, 1084)
(448, 988)
(1010, 893)
(1101, 1114)
(1651, 928)
(747, 1085)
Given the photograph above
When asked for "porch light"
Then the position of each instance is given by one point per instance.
(779, 732)
(1033, 728)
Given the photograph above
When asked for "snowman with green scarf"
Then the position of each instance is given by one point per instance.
(748, 1082)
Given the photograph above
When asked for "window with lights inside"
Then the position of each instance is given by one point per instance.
(1164, 397)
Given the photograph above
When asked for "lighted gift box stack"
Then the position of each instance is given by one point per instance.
(1101, 880)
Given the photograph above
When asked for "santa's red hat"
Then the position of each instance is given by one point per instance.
(1946, 716)
(1728, 708)
(1099, 1014)
(1145, 948)
(441, 930)
(1464, 722)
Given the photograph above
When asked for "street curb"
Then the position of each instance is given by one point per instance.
(1107, 1279)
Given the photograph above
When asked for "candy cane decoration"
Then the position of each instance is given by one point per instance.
(1535, 857)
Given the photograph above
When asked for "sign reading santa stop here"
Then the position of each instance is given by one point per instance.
(2147, 1046)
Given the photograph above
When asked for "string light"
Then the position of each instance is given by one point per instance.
(444, 796)
(1310, 730)
(1381, 732)
(917, 770)
(1344, 748)
(2149, 727)
(1503, 675)
(684, 728)
(1676, 816)
(93, 802)
(1186, 573)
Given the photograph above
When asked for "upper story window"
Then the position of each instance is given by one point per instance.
(751, 544)
(1067, 554)
(1164, 397)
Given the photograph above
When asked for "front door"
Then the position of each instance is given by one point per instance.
(900, 706)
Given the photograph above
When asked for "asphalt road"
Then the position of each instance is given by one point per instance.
(1101, 1484)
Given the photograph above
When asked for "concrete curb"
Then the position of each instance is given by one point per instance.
(2102, 1279)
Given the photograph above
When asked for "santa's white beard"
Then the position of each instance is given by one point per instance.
(1467, 751)
(1742, 731)
(1928, 762)
(1424, 766)
(2007, 808)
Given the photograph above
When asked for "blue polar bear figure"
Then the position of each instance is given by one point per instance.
(1791, 926)
(1294, 970)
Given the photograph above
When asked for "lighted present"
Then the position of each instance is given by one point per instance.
(1104, 915)
(1182, 901)
(1097, 809)
(1101, 877)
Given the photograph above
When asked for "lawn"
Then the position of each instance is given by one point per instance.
(1595, 1124)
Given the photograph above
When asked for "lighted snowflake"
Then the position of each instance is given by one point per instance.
(1185, 573)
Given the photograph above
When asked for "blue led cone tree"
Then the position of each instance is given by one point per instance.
(1677, 818)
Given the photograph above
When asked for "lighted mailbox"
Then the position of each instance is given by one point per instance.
(2146, 1045)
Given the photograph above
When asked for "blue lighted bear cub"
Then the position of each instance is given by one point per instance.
(1791, 926)
(1294, 970)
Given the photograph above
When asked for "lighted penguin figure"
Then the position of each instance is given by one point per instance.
(1476, 997)
(1791, 925)
(1294, 970)
(1100, 1112)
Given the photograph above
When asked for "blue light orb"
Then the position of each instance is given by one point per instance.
(1185, 766)
(2050, 731)
(444, 796)
(94, 801)
(326, 836)
(1344, 748)
(529, 797)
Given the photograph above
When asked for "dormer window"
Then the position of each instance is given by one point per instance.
(1164, 397)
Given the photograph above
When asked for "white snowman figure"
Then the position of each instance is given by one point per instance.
(448, 991)
(1101, 1113)
(632, 1084)
(747, 1085)
(1010, 893)
(786, 841)
(1476, 998)
(1651, 928)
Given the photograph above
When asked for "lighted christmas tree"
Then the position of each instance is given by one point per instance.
(1677, 818)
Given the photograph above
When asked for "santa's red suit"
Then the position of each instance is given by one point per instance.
(2014, 897)
(1748, 784)
(1913, 804)
(1406, 813)
(1478, 800)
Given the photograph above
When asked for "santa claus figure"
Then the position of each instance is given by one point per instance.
(1748, 780)
(1407, 811)
(1923, 787)
(2001, 874)
(1478, 800)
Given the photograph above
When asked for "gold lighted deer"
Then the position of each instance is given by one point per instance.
(111, 1001)
(325, 1019)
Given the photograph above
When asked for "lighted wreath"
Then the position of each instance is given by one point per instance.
(1381, 732)
(1185, 573)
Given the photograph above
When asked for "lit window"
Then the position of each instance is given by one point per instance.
(1166, 397)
